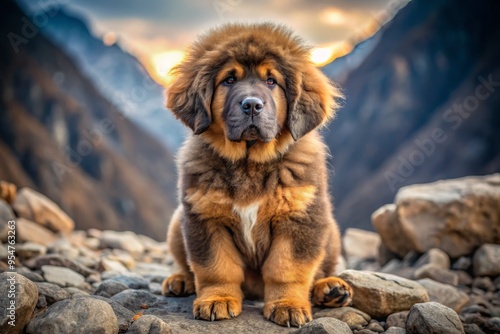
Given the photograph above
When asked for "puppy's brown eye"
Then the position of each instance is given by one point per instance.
(230, 81)
(271, 81)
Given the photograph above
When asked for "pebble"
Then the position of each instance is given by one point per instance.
(325, 326)
(62, 276)
(355, 318)
(149, 324)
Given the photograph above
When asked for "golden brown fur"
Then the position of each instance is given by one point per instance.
(255, 217)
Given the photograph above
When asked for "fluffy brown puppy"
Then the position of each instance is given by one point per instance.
(255, 217)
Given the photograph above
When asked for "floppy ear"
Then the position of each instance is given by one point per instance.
(189, 98)
(312, 101)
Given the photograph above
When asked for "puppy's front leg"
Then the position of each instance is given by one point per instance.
(288, 277)
(218, 271)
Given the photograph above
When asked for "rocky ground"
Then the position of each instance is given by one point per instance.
(433, 267)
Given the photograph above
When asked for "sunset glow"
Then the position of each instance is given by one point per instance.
(163, 62)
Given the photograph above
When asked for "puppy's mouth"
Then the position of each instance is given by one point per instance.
(250, 134)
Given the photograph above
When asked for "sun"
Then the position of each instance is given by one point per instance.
(163, 62)
(321, 56)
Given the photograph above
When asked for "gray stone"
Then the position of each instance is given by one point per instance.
(463, 263)
(325, 326)
(148, 324)
(128, 241)
(436, 257)
(354, 318)
(445, 294)
(81, 315)
(486, 261)
(472, 329)
(123, 314)
(397, 319)
(20, 307)
(62, 276)
(380, 294)
(395, 330)
(437, 274)
(375, 327)
(360, 244)
(30, 249)
(59, 261)
(136, 300)
(34, 206)
(132, 281)
(110, 288)
(433, 318)
(52, 293)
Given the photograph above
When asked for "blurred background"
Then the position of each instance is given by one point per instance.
(82, 116)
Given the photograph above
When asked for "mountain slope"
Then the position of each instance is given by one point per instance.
(118, 75)
(398, 125)
(61, 137)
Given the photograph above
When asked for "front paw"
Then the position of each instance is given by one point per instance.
(331, 292)
(288, 312)
(178, 285)
(216, 308)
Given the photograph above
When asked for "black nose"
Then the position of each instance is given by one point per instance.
(252, 105)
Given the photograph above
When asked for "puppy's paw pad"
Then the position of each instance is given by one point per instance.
(288, 312)
(216, 308)
(178, 285)
(332, 292)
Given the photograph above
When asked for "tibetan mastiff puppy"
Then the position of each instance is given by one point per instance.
(255, 218)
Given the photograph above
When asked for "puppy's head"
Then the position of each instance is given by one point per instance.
(250, 89)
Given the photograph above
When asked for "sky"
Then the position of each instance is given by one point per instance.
(158, 31)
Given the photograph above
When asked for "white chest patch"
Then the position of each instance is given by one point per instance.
(248, 216)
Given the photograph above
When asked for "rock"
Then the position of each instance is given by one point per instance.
(110, 288)
(375, 327)
(132, 281)
(455, 216)
(20, 307)
(436, 257)
(31, 231)
(380, 294)
(62, 276)
(34, 206)
(128, 241)
(122, 256)
(395, 330)
(433, 317)
(437, 274)
(486, 260)
(136, 300)
(325, 326)
(386, 223)
(360, 244)
(6, 214)
(123, 314)
(397, 319)
(59, 261)
(114, 266)
(75, 292)
(52, 293)
(65, 248)
(145, 269)
(80, 315)
(483, 283)
(354, 318)
(445, 294)
(463, 278)
(472, 329)
(8, 191)
(149, 324)
(30, 249)
(463, 263)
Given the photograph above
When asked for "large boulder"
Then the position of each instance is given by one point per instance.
(456, 216)
(34, 206)
(380, 294)
(433, 318)
(361, 244)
